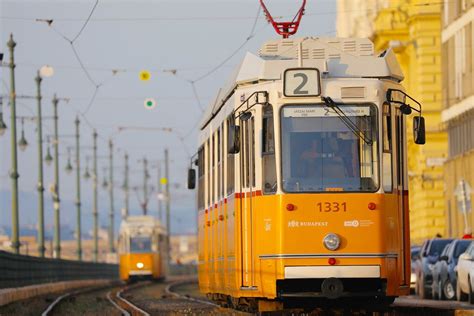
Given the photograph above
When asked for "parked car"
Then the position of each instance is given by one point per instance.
(429, 255)
(465, 269)
(444, 272)
(415, 253)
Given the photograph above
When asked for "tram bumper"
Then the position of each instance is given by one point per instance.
(332, 282)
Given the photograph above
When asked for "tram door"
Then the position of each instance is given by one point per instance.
(247, 193)
(401, 166)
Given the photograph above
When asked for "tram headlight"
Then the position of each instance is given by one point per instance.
(140, 265)
(332, 241)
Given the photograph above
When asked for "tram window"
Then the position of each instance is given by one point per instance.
(320, 153)
(218, 153)
(140, 244)
(222, 143)
(230, 162)
(208, 172)
(247, 148)
(387, 181)
(213, 166)
(252, 140)
(268, 151)
(201, 178)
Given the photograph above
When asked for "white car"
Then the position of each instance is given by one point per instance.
(465, 269)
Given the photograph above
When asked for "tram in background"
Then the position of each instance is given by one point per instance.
(142, 248)
(302, 177)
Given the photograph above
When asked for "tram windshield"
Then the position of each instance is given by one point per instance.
(321, 153)
(140, 244)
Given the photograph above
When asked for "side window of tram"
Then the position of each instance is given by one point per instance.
(249, 153)
(268, 152)
(208, 173)
(201, 178)
(387, 149)
(230, 161)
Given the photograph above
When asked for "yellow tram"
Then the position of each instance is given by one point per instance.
(302, 177)
(142, 248)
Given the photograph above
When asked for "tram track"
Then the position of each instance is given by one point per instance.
(113, 295)
(125, 306)
(171, 286)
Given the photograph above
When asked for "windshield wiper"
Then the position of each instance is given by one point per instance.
(347, 121)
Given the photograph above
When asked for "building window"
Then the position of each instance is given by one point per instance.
(459, 61)
(459, 135)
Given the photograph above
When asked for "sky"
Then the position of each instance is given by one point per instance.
(122, 38)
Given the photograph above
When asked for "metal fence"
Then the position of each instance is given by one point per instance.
(182, 269)
(20, 270)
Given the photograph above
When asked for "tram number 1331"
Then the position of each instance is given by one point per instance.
(332, 207)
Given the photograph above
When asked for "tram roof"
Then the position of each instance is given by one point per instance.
(338, 57)
(133, 223)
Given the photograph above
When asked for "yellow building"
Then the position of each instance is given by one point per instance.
(413, 30)
(458, 114)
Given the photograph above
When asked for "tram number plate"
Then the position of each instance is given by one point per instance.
(301, 82)
(332, 207)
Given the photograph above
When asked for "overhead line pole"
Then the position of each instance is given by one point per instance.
(111, 194)
(78, 192)
(145, 186)
(167, 193)
(40, 186)
(95, 200)
(159, 193)
(56, 200)
(15, 236)
(126, 189)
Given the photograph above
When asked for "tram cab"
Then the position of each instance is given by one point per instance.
(142, 248)
(302, 177)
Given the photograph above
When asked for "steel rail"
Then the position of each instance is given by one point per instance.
(169, 291)
(118, 295)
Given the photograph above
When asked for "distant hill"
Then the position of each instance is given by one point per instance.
(182, 219)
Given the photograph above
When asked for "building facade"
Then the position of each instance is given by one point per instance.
(412, 28)
(458, 114)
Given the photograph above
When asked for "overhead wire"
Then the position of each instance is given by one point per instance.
(217, 67)
(85, 23)
(201, 18)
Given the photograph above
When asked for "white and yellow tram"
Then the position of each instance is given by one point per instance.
(142, 248)
(302, 177)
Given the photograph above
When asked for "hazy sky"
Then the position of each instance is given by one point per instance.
(128, 36)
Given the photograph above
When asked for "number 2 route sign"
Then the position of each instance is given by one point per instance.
(301, 82)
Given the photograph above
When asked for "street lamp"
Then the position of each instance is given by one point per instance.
(48, 159)
(3, 126)
(22, 143)
(46, 71)
(87, 175)
(69, 165)
(105, 184)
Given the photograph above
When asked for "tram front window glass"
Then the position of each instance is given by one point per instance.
(140, 244)
(320, 152)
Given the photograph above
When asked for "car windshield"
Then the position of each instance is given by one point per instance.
(446, 249)
(140, 244)
(437, 246)
(461, 247)
(321, 153)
